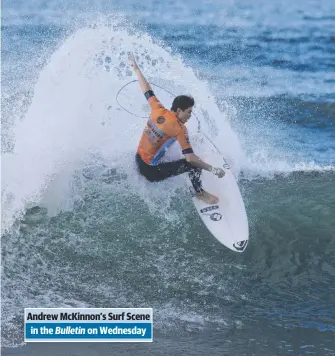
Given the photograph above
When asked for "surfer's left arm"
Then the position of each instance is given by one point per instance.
(198, 162)
(192, 158)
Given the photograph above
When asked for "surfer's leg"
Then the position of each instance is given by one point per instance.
(195, 177)
(175, 168)
(170, 169)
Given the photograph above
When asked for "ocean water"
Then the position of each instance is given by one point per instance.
(81, 228)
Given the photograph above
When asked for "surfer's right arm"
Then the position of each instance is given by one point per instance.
(145, 86)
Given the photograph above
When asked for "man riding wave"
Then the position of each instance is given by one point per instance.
(163, 128)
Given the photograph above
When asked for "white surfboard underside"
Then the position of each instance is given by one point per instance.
(227, 220)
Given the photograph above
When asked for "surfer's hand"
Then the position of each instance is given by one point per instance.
(132, 61)
(218, 172)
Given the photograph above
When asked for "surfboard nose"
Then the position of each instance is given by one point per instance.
(240, 246)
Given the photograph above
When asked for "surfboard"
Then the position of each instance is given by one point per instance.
(227, 220)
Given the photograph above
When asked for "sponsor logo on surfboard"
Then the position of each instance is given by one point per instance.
(240, 245)
(209, 208)
(216, 216)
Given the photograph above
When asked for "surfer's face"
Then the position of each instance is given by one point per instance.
(184, 115)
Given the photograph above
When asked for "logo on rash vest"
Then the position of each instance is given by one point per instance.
(161, 120)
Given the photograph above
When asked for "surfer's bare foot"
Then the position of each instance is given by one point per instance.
(207, 198)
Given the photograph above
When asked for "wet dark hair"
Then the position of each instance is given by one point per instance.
(182, 102)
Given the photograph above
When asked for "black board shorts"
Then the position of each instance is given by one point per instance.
(166, 170)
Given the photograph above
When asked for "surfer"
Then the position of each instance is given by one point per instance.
(163, 128)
